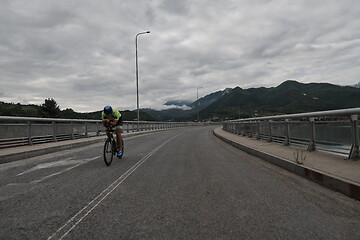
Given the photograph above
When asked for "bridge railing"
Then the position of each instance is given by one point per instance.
(21, 131)
(335, 131)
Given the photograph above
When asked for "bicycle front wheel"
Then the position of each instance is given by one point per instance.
(108, 152)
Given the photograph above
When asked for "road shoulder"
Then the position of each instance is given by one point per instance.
(328, 170)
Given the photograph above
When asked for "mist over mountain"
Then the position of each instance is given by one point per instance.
(179, 103)
(356, 85)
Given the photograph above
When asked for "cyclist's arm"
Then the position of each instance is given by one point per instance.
(104, 120)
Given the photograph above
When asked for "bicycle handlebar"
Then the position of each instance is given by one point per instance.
(110, 128)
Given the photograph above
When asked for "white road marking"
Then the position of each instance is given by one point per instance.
(14, 187)
(67, 169)
(78, 217)
(48, 165)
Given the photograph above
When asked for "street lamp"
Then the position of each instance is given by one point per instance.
(137, 76)
(197, 98)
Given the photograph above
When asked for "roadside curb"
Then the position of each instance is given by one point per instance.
(63, 146)
(345, 186)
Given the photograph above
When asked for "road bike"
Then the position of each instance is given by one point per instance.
(110, 147)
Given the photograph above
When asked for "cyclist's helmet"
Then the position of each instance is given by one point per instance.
(107, 110)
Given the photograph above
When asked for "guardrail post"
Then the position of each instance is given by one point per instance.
(354, 152)
(311, 146)
(258, 136)
(244, 129)
(29, 133)
(270, 139)
(250, 130)
(97, 129)
(287, 132)
(72, 131)
(86, 130)
(237, 127)
(53, 131)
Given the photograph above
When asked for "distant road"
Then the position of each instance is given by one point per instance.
(176, 184)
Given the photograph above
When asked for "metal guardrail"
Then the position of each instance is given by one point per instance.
(21, 131)
(331, 131)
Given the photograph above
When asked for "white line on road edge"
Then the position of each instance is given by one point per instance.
(75, 220)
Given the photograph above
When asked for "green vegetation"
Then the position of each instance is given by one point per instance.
(50, 109)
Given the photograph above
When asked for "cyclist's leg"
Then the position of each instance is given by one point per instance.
(119, 131)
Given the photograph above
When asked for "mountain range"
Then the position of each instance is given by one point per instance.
(289, 97)
(230, 103)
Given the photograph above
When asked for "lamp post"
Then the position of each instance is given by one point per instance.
(197, 98)
(137, 76)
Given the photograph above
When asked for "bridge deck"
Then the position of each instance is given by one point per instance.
(183, 183)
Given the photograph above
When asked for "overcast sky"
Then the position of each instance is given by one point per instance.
(82, 53)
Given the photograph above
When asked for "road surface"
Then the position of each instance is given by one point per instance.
(175, 184)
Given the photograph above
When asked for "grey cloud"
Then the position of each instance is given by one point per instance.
(175, 7)
(77, 52)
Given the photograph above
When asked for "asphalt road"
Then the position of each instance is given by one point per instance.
(175, 184)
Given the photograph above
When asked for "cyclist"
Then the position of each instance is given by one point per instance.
(113, 117)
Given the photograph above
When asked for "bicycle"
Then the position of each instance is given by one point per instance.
(110, 147)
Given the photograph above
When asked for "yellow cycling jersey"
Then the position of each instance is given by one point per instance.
(115, 115)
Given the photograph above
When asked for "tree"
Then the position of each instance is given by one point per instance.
(50, 108)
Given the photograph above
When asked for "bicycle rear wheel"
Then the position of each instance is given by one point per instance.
(108, 152)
